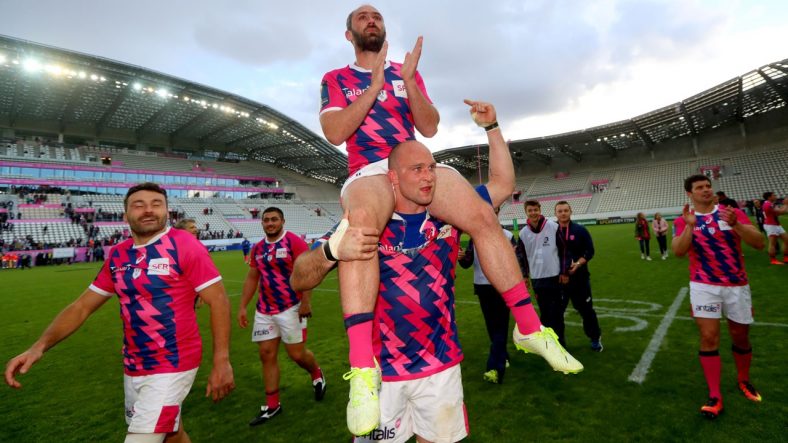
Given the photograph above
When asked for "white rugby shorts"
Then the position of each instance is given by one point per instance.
(153, 402)
(431, 407)
(710, 301)
(380, 167)
(284, 324)
(773, 230)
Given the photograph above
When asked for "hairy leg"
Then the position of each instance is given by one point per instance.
(369, 202)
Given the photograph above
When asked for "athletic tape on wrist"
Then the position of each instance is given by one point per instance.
(331, 247)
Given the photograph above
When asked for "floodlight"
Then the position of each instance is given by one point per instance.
(162, 93)
(31, 65)
(137, 86)
(94, 77)
(82, 74)
(2, 59)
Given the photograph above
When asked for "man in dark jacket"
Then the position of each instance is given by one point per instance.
(575, 250)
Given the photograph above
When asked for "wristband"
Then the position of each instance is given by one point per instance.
(327, 252)
(491, 126)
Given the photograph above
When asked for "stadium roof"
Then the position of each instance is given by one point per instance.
(79, 94)
(70, 92)
(757, 92)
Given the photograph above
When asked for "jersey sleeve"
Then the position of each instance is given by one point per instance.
(198, 268)
(253, 253)
(678, 226)
(484, 193)
(103, 283)
(299, 246)
(331, 96)
(422, 87)
(319, 242)
(741, 217)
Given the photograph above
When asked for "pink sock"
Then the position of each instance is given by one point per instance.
(272, 399)
(519, 302)
(359, 334)
(742, 358)
(712, 368)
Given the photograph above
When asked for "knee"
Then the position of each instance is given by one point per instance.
(267, 356)
(709, 340)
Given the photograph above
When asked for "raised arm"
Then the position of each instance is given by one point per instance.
(66, 323)
(338, 125)
(425, 115)
(500, 183)
(681, 243)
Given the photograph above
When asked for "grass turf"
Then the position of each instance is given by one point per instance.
(75, 392)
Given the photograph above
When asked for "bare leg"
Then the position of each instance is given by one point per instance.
(370, 203)
(302, 356)
(268, 357)
(454, 201)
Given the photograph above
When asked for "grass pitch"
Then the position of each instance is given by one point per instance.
(75, 392)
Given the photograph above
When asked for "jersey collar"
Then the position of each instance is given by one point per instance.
(358, 68)
(154, 239)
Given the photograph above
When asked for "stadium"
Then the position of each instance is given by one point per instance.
(76, 131)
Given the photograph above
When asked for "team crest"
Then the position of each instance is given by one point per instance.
(712, 231)
(382, 95)
(136, 273)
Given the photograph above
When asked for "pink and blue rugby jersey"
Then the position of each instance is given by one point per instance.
(387, 124)
(769, 216)
(715, 255)
(157, 286)
(275, 261)
(415, 334)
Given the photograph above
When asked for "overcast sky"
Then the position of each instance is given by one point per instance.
(549, 66)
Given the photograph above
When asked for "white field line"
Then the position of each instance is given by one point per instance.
(638, 375)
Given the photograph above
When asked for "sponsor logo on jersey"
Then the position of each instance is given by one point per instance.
(281, 253)
(399, 88)
(159, 266)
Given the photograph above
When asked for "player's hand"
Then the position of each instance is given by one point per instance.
(482, 113)
(563, 279)
(728, 215)
(304, 311)
(379, 70)
(243, 322)
(461, 254)
(411, 62)
(20, 365)
(689, 217)
(220, 382)
(575, 266)
(358, 244)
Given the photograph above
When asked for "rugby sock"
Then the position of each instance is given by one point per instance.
(359, 334)
(272, 399)
(317, 373)
(519, 302)
(712, 368)
(742, 358)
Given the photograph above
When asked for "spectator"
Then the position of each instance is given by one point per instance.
(643, 236)
(660, 226)
(723, 199)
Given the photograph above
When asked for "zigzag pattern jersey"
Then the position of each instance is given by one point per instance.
(275, 261)
(715, 255)
(415, 334)
(157, 285)
(388, 123)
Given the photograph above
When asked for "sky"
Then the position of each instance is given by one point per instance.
(548, 66)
